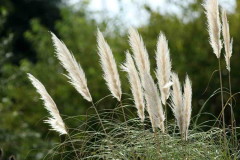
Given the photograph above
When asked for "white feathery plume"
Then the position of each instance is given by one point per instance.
(109, 67)
(214, 25)
(163, 71)
(187, 103)
(140, 53)
(226, 39)
(177, 101)
(182, 104)
(135, 84)
(55, 120)
(154, 105)
(76, 74)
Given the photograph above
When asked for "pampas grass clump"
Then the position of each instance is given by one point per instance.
(146, 136)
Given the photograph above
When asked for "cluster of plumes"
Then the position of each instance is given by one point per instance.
(181, 104)
(151, 94)
(145, 91)
(215, 27)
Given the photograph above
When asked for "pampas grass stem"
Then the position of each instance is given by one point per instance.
(228, 54)
(221, 89)
(214, 29)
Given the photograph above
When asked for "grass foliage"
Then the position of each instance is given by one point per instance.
(134, 140)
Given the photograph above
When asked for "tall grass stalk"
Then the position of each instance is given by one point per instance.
(95, 108)
(214, 29)
(233, 121)
(228, 54)
(221, 91)
(74, 149)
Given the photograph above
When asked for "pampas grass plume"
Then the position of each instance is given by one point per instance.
(214, 25)
(163, 71)
(154, 105)
(109, 67)
(140, 52)
(187, 104)
(182, 104)
(177, 101)
(226, 39)
(55, 120)
(135, 84)
(76, 74)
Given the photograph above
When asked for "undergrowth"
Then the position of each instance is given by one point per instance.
(134, 140)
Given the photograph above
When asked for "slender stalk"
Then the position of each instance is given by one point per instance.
(95, 108)
(230, 92)
(124, 115)
(62, 140)
(221, 89)
(75, 151)
(165, 108)
(232, 114)
(99, 117)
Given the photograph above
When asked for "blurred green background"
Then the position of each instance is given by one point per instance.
(25, 46)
